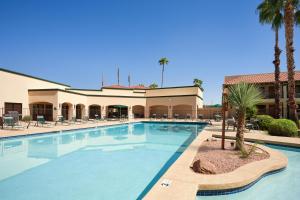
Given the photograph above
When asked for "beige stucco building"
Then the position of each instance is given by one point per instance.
(265, 81)
(36, 96)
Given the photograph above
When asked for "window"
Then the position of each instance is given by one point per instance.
(12, 107)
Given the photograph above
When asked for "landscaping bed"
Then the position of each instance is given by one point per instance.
(211, 159)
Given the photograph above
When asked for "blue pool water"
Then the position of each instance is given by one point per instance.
(116, 162)
(279, 186)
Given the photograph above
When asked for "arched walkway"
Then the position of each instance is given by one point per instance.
(138, 111)
(182, 111)
(41, 108)
(158, 110)
(117, 111)
(80, 111)
(94, 110)
(67, 110)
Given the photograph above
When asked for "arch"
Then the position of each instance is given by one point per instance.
(117, 111)
(94, 110)
(182, 111)
(67, 110)
(80, 111)
(41, 108)
(158, 110)
(138, 111)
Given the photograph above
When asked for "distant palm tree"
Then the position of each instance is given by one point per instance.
(290, 8)
(153, 85)
(270, 12)
(241, 97)
(198, 82)
(163, 61)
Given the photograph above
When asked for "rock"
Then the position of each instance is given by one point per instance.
(204, 167)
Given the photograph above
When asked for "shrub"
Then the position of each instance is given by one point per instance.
(251, 112)
(283, 127)
(27, 118)
(264, 121)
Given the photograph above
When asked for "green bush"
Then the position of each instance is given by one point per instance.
(264, 121)
(27, 118)
(251, 112)
(283, 127)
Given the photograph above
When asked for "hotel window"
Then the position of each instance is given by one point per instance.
(297, 91)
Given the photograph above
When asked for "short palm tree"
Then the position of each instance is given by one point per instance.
(270, 12)
(241, 97)
(290, 19)
(198, 82)
(153, 85)
(163, 61)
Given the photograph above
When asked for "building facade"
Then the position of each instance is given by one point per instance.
(36, 96)
(265, 82)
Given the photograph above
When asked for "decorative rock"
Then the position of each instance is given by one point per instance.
(204, 167)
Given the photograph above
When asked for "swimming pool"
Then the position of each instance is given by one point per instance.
(280, 186)
(115, 162)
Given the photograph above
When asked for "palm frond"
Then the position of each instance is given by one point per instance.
(243, 96)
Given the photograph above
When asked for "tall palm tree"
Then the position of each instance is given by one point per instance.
(163, 61)
(241, 97)
(290, 7)
(270, 12)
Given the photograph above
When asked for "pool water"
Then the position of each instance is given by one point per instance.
(279, 186)
(116, 162)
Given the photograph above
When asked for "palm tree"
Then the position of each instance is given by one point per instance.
(198, 82)
(153, 85)
(290, 7)
(241, 97)
(163, 61)
(270, 12)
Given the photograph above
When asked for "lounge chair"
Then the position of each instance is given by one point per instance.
(9, 121)
(41, 120)
(153, 116)
(200, 116)
(165, 116)
(75, 121)
(188, 117)
(176, 116)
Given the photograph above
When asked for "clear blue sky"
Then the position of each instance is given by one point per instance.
(74, 41)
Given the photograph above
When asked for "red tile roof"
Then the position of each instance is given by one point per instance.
(258, 78)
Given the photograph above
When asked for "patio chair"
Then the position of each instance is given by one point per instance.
(41, 120)
(9, 121)
(61, 119)
(231, 122)
(217, 117)
(252, 124)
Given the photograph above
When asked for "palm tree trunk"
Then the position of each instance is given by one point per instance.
(240, 131)
(276, 63)
(289, 36)
(162, 75)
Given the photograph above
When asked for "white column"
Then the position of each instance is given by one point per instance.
(103, 112)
